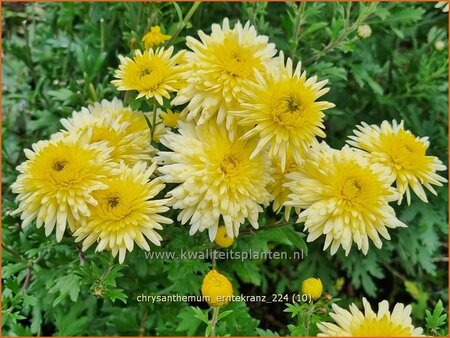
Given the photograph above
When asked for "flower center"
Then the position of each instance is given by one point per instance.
(293, 105)
(144, 71)
(113, 201)
(351, 189)
(288, 111)
(229, 164)
(383, 327)
(59, 165)
(237, 61)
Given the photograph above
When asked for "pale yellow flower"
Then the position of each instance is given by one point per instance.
(222, 65)
(58, 180)
(344, 198)
(123, 129)
(152, 73)
(216, 177)
(403, 155)
(384, 323)
(281, 110)
(126, 212)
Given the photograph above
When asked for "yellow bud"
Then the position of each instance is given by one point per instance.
(312, 287)
(217, 288)
(222, 238)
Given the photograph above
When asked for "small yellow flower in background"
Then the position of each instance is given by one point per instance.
(124, 130)
(312, 287)
(154, 37)
(222, 238)
(170, 119)
(344, 198)
(152, 73)
(217, 289)
(403, 155)
(221, 66)
(57, 183)
(126, 212)
(216, 177)
(282, 111)
(364, 31)
(370, 324)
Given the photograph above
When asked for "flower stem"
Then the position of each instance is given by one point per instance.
(297, 25)
(184, 22)
(214, 321)
(155, 107)
(308, 318)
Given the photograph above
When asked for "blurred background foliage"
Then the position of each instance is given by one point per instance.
(58, 57)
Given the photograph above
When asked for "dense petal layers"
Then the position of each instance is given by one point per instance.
(216, 177)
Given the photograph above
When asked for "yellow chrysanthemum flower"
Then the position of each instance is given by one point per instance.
(222, 238)
(344, 197)
(133, 118)
(216, 178)
(355, 323)
(154, 37)
(124, 130)
(170, 119)
(312, 287)
(403, 154)
(217, 288)
(153, 73)
(126, 212)
(57, 182)
(222, 65)
(282, 111)
(279, 190)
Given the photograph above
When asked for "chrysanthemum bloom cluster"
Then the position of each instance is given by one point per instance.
(95, 177)
(248, 135)
(384, 323)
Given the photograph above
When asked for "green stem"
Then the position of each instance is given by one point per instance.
(214, 321)
(345, 33)
(102, 34)
(214, 263)
(308, 318)
(297, 25)
(28, 53)
(184, 22)
(13, 252)
(155, 107)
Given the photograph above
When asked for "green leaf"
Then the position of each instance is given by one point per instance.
(296, 239)
(189, 320)
(203, 316)
(66, 286)
(436, 319)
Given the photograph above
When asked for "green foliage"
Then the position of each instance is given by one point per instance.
(59, 57)
(434, 321)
